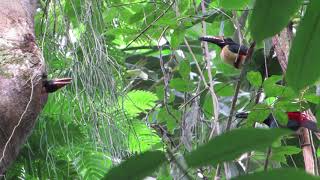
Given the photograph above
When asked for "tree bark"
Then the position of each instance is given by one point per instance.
(22, 70)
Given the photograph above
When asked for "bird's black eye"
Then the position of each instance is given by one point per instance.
(44, 76)
(228, 40)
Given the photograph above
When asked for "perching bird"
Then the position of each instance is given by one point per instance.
(295, 121)
(232, 53)
(50, 86)
(53, 85)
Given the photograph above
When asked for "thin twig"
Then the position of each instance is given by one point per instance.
(154, 21)
(180, 166)
(197, 64)
(266, 163)
(236, 93)
(165, 76)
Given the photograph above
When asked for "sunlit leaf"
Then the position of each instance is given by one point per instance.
(254, 78)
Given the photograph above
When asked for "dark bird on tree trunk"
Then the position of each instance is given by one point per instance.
(53, 85)
(23, 88)
(295, 121)
(231, 52)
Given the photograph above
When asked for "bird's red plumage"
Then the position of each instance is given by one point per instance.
(297, 116)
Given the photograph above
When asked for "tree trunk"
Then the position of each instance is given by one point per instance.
(21, 71)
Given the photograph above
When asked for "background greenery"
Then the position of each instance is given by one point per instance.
(137, 88)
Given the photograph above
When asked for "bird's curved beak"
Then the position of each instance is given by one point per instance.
(59, 83)
(55, 84)
(218, 40)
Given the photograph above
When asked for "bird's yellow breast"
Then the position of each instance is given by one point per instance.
(228, 56)
(231, 58)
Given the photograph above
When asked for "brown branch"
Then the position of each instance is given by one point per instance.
(236, 93)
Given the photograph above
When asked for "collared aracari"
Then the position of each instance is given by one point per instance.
(295, 121)
(51, 86)
(231, 52)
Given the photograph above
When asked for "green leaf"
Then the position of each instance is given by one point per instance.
(184, 69)
(318, 117)
(303, 66)
(312, 98)
(258, 114)
(177, 37)
(254, 78)
(138, 101)
(207, 105)
(270, 100)
(281, 116)
(271, 16)
(287, 106)
(221, 149)
(169, 118)
(278, 153)
(141, 137)
(234, 4)
(181, 85)
(223, 89)
(137, 166)
(272, 89)
(278, 174)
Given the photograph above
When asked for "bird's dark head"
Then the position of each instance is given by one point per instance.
(55, 84)
(228, 41)
(218, 40)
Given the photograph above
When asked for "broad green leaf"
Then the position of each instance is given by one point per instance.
(281, 116)
(223, 89)
(141, 137)
(270, 100)
(318, 115)
(138, 101)
(137, 166)
(303, 66)
(312, 98)
(287, 106)
(278, 153)
(183, 6)
(254, 78)
(160, 94)
(234, 4)
(177, 37)
(232, 144)
(271, 16)
(207, 105)
(181, 85)
(278, 174)
(184, 69)
(169, 118)
(213, 73)
(258, 114)
(272, 89)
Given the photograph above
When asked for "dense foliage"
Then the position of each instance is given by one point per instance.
(142, 81)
